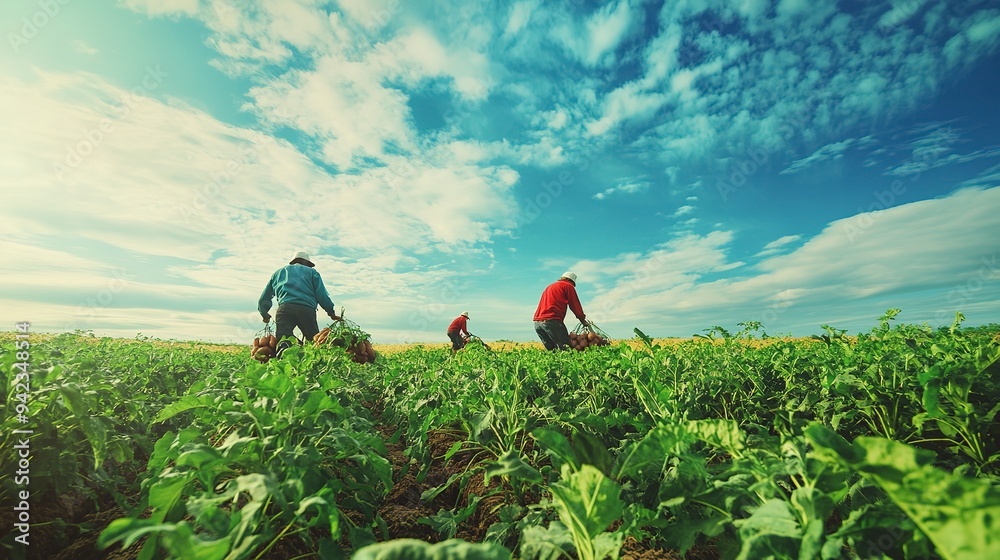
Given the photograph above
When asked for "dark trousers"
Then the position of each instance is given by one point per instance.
(457, 343)
(553, 334)
(291, 315)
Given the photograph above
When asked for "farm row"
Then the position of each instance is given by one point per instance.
(724, 446)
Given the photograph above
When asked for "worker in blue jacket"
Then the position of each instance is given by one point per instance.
(299, 289)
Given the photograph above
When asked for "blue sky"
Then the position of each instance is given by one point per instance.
(696, 163)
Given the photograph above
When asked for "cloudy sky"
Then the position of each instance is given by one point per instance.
(697, 163)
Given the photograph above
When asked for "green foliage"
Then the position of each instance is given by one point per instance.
(884, 444)
(411, 549)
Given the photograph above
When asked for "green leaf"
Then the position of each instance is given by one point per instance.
(647, 457)
(510, 464)
(724, 434)
(682, 534)
(446, 522)
(773, 517)
(187, 402)
(73, 399)
(318, 401)
(199, 456)
(608, 544)
(428, 495)
(591, 451)
(770, 532)
(646, 340)
(259, 486)
(587, 503)
(557, 446)
(412, 549)
(538, 543)
(128, 531)
(97, 436)
(960, 515)
(181, 542)
(165, 492)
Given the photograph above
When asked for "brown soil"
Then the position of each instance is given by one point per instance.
(635, 550)
(75, 537)
(402, 508)
(85, 545)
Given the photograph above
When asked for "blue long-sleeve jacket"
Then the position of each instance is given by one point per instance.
(296, 283)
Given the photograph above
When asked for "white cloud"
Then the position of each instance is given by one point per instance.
(343, 105)
(919, 256)
(520, 14)
(926, 146)
(767, 86)
(989, 177)
(828, 152)
(901, 11)
(164, 7)
(607, 28)
(935, 160)
(778, 245)
(419, 55)
(593, 40)
(980, 36)
(83, 48)
(628, 186)
(626, 102)
(214, 210)
(683, 211)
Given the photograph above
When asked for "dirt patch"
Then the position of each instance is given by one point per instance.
(636, 550)
(84, 547)
(403, 507)
(68, 527)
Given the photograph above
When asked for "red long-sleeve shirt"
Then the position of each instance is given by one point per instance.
(555, 299)
(459, 325)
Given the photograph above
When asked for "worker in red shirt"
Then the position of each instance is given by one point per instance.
(551, 312)
(456, 330)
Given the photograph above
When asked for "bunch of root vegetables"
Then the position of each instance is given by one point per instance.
(584, 337)
(349, 336)
(264, 347)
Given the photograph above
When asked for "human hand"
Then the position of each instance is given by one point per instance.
(266, 317)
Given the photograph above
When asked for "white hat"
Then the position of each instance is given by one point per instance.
(465, 314)
(569, 275)
(301, 256)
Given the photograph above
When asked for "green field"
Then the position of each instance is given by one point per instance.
(730, 445)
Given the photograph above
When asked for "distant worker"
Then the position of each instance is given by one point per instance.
(551, 312)
(456, 330)
(299, 289)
